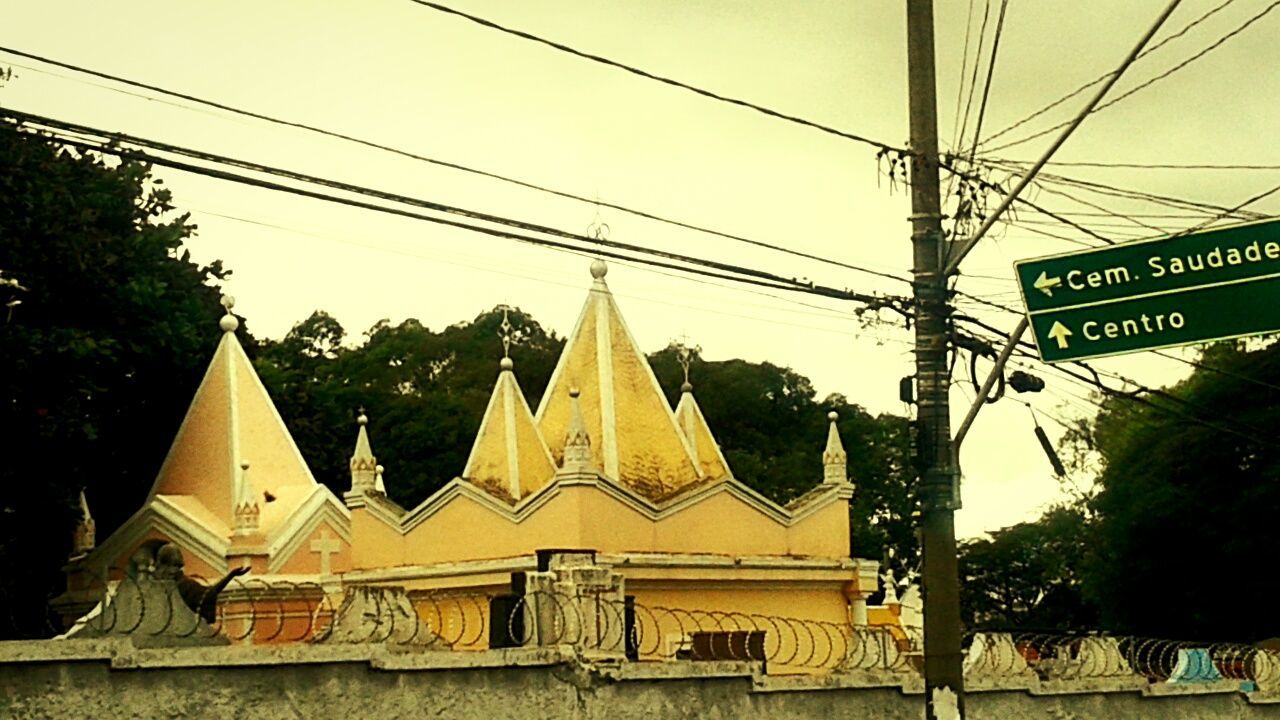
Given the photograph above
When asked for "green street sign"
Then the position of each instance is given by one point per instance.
(1149, 294)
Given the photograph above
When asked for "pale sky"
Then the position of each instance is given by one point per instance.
(437, 85)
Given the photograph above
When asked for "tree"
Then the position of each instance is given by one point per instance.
(1190, 484)
(424, 392)
(1028, 576)
(100, 357)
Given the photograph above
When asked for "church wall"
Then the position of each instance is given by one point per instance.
(360, 681)
(825, 533)
(586, 517)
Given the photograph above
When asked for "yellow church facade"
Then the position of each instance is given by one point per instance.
(604, 467)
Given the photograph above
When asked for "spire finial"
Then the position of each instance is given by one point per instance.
(229, 323)
(85, 537)
(684, 356)
(246, 508)
(599, 269)
(577, 444)
(363, 465)
(834, 458)
(506, 363)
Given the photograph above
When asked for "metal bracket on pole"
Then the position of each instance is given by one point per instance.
(989, 383)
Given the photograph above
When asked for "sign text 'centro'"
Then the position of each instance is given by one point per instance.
(1177, 290)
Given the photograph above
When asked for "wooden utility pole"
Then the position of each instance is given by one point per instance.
(942, 659)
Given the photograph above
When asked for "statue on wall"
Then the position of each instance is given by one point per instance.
(201, 598)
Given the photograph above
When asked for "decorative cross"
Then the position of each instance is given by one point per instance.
(506, 333)
(326, 545)
(684, 354)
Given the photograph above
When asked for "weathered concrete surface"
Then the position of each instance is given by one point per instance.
(111, 679)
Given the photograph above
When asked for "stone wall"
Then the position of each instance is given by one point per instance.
(111, 678)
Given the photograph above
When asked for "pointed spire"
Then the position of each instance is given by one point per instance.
(509, 458)
(702, 445)
(834, 459)
(85, 537)
(247, 512)
(634, 437)
(232, 417)
(364, 466)
(577, 444)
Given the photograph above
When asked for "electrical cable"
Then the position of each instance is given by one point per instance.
(1149, 82)
(747, 275)
(1102, 77)
(441, 163)
(658, 78)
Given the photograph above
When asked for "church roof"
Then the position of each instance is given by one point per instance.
(232, 421)
(634, 437)
(509, 455)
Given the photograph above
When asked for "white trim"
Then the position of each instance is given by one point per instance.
(163, 516)
(513, 448)
(823, 496)
(458, 486)
(604, 371)
(239, 481)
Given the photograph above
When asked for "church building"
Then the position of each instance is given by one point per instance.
(603, 468)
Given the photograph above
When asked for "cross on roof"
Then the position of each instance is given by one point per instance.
(326, 545)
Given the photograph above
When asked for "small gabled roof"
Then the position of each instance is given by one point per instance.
(509, 454)
(634, 437)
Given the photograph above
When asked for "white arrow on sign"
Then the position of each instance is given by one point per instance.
(1046, 284)
(1060, 333)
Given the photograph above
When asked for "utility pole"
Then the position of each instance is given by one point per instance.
(940, 575)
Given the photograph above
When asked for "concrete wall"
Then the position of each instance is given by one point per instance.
(112, 679)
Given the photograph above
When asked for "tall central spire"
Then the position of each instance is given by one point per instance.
(634, 436)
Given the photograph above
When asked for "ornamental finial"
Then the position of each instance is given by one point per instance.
(599, 269)
(506, 362)
(229, 322)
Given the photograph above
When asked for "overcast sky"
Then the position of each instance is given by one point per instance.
(434, 84)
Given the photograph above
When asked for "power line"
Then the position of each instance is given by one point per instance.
(658, 78)
(1149, 82)
(991, 69)
(1102, 77)
(1142, 166)
(1142, 195)
(720, 270)
(444, 163)
(827, 314)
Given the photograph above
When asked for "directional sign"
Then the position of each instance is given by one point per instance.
(1177, 290)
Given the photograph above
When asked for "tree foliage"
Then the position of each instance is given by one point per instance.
(1190, 485)
(106, 329)
(424, 391)
(1029, 576)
